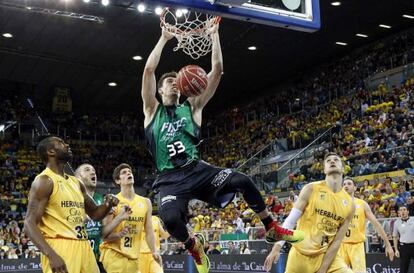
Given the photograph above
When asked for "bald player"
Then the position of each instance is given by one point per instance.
(87, 174)
(352, 247)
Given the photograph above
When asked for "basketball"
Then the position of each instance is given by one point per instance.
(191, 80)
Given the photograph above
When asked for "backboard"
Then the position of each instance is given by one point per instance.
(302, 15)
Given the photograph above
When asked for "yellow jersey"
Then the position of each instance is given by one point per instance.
(65, 210)
(130, 244)
(325, 213)
(356, 230)
(156, 226)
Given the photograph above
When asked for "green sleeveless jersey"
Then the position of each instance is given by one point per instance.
(173, 136)
(94, 228)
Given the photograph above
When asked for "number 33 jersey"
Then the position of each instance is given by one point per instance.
(65, 210)
(323, 216)
(129, 245)
(173, 136)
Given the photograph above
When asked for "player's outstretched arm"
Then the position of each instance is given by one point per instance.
(290, 222)
(370, 216)
(39, 195)
(149, 233)
(214, 75)
(149, 84)
(336, 243)
(94, 211)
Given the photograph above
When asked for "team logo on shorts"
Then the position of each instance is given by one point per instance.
(168, 198)
(221, 177)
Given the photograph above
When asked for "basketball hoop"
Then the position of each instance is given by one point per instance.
(191, 29)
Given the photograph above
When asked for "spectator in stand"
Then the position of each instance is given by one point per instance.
(244, 249)
(293, 196)
(410, 205)
(402, 195)
(213, 249)
(232, 248)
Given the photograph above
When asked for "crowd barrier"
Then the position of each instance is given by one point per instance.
(376, 263)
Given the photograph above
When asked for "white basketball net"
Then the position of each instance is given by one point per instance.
(191, 30)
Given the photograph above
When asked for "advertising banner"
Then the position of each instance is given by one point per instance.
(376, 263)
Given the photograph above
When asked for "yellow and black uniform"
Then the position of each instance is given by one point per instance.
(62, 225)
(147, 264)
(352, 247)
(121, 256)
(325, 213)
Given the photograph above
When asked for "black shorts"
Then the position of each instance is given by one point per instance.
(199, 180)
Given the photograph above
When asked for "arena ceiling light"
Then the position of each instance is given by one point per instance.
(252, 48)
(158, 10)
(336, 3)
(137, 58)
(384, 26)
(112, 84)
(86, 1)
(178, 13)
(362, 35)
(408, 16)
(341, 43)
(105, 2)
(7, 35)
(141, 7)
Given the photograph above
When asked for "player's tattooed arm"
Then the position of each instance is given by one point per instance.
(94, 211)
(39, 194)
(336, 243)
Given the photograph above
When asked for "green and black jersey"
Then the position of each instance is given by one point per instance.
(173, 136)
(94, 228)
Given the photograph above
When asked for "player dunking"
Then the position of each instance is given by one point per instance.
(352, 247)
(56, 212)
(173, 134)
(147, 264)
(323, 211)
(87, 174)
(122, 231)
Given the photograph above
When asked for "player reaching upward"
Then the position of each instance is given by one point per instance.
(87, 174)
(122, 231)
(352, 247)
(173, 134)
(323, 211)
(56, 212)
